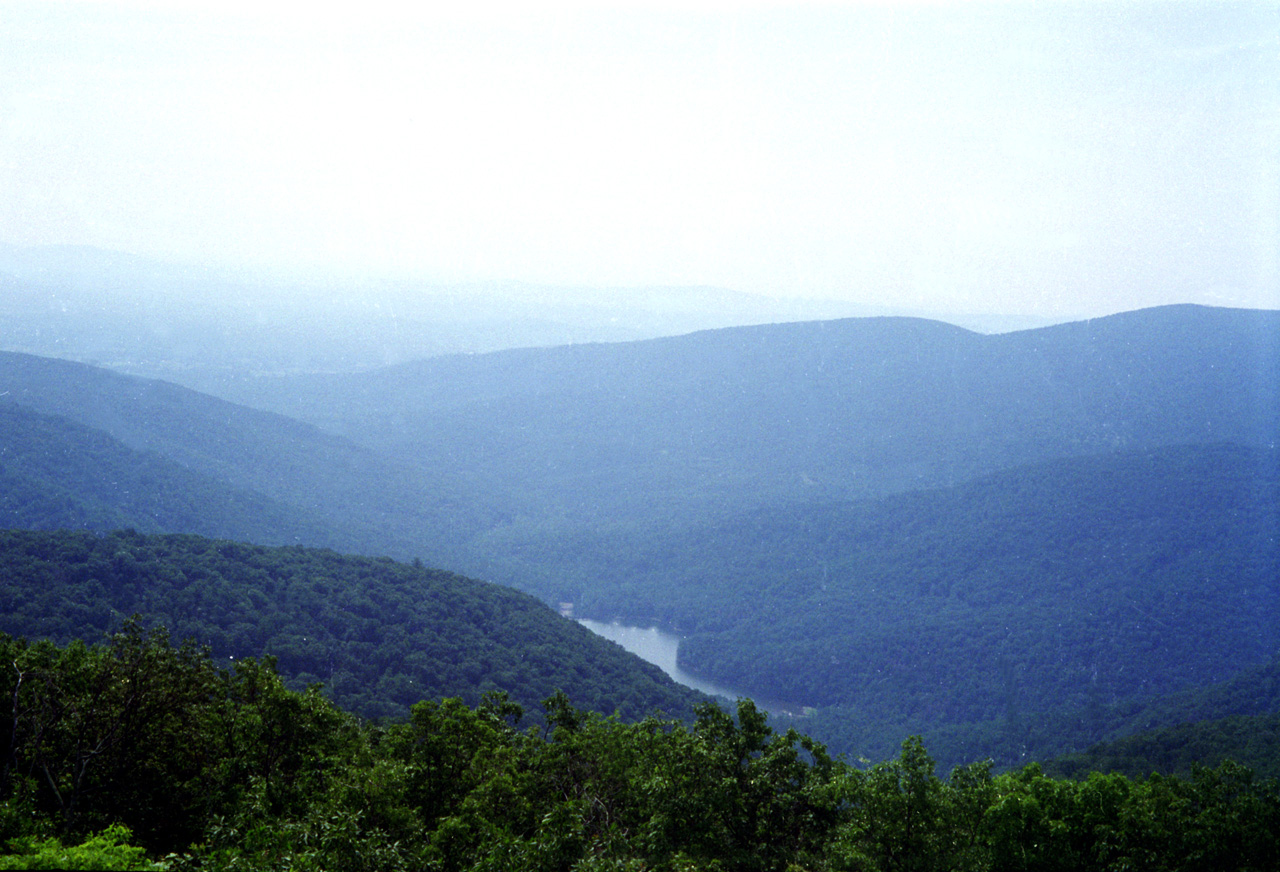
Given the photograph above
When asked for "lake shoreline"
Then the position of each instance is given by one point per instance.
(661, 648)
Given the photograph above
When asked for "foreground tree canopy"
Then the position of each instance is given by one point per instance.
(137, 754)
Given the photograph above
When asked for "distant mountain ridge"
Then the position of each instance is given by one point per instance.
(793, 412)
(785, 413)
(198, 325)
(683, 481)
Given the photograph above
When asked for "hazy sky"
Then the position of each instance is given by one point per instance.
(1041, 158)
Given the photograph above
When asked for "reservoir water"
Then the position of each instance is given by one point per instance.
(660, 649)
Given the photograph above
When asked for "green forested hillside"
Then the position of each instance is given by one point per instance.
(1068, 586)
(1080, 517)
(57, 474)
(1251, 740)
(1136, 574)
(455, 459)
(1013, 738)
(380, 635)
(123, 754)
(373, 504)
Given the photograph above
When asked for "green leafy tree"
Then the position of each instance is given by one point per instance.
(107, 850)
(108, 731)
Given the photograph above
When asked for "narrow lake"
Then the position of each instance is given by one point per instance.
(660, 649)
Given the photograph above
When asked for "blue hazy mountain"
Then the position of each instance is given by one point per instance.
(1015, 526)
(783, 413)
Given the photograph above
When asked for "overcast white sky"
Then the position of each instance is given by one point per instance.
(1042, 158)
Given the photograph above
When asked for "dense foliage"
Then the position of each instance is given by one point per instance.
(228, 770)
(57, 474)
(701, 483)
(321, 489)
(1091, 737)
(380, 635)
(1053, 592)
(1252, 740)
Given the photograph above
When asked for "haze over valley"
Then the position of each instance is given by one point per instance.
(943, 531)
(911, 370)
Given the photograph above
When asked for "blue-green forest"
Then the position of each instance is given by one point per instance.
(1019, 592)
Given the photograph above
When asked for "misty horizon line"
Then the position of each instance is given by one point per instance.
(73, 262)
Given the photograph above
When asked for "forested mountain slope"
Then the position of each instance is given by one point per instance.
(57, 474)
(374, 505)
(1250, 740)
(765, 415)
(1065, 586)
(380, 635)
(1015, 737)
(1140, 573)
(421, 459)
(1047, 522)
